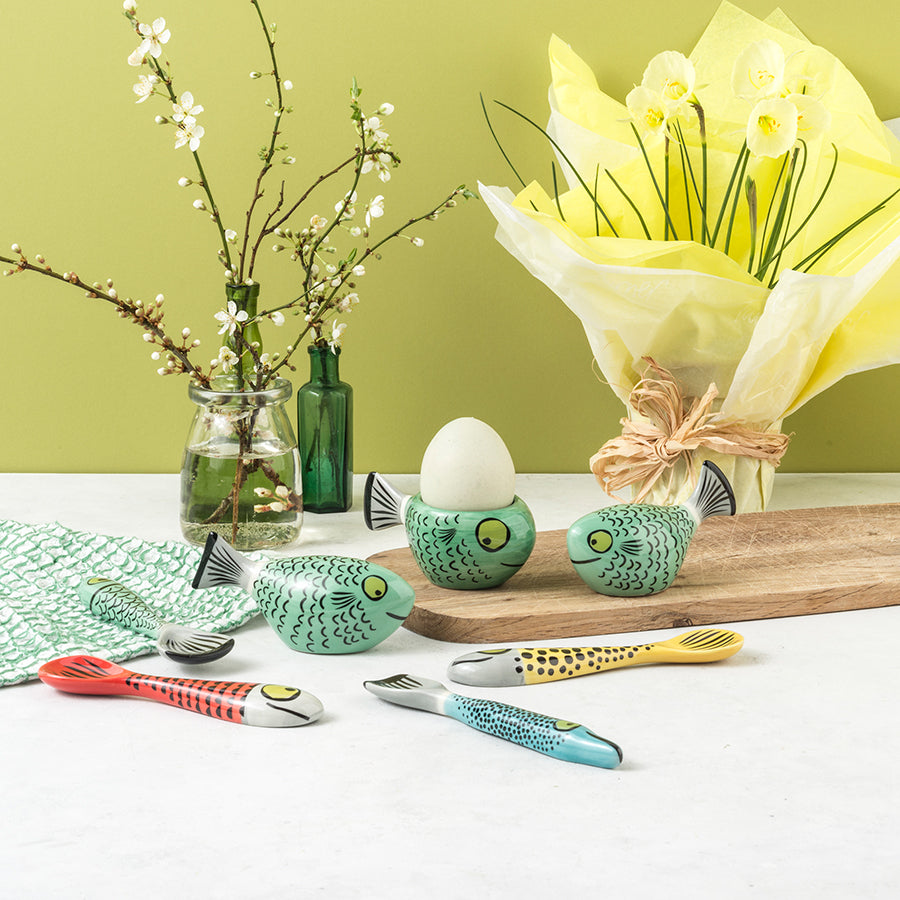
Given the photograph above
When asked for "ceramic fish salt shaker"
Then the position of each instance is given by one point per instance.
(459, 549)
(113, 602)
(638, 549)
(316, 604)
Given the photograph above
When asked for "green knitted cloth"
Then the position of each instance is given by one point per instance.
(41, 617)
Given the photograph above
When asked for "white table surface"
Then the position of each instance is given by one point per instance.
(772, 774)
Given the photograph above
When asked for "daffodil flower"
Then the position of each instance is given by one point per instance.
(772, 128)
(813, 119)
(759, 71)
(155, 35)
(648, 109)
(670, 76)
(185, 109)
(231, 317)
(189, 132)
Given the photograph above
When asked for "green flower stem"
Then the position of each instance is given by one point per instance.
(740, 162)
(568, 161)
(770, 207)
(734, 203)
(771, 249)
(750, 191)
(556, 191)
(704, 156)
(662, 202)
(785, 225)
(666, 181)
(686, 163)
(637, 212)
(487, 119)
(596, 217)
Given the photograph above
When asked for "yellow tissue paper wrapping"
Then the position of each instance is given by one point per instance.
(695, 311)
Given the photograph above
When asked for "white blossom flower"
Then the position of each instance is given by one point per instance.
(318, 222)
(759, 71)
(417, 242)
(287, 85)
(155, 35)
(337, 329)
(277, 318)
(230, 235)
(227, 357)
(385, 109)
(374, 209)
(359, 270)
(199, 204)
(189, 132)
(772, 128)
(230, 318)
(813, 119)
(129, 6)
(184, 182)
(144, 87)
(648, 109)
(185, 110)
(670, 75)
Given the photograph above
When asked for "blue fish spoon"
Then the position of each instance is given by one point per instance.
(563, 740)
(113, 602)
(632, 550)
(458, 549)
(315, 604)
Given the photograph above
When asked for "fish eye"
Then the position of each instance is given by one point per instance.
(374, 587)
(492, 534)
(600, 541)
(279, 692)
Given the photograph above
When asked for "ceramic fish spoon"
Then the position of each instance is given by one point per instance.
(245, 703)
(534, 665)
(558, 738)
(113, 602)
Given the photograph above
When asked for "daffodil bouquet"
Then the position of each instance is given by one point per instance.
(292, 223)
(729, 237)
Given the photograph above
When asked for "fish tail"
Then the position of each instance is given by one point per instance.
(189, 645)
(220, 564)
(382, 503)
(713, 495)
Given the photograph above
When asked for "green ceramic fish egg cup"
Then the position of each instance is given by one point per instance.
(456, 549)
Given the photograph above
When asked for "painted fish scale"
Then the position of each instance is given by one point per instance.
(439, 548)
(113, 602)
(539, 665)
(197, 695)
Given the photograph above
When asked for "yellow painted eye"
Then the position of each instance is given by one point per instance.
(600, 541)
(492, 534)
(279, 692)
(563, 725)
(374, 587)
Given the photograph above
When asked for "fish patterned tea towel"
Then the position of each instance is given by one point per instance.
(41, 617)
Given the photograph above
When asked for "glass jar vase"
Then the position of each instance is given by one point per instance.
(240, 475)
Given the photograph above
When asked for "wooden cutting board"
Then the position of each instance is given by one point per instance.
(751, 566)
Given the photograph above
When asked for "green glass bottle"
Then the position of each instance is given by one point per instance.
(325, 434)
(245, 297)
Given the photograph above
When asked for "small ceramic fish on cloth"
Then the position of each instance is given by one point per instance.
(113, 602)
(636, 550)
(317, 604)
(459, 549)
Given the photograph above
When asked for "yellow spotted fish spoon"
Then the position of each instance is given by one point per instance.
(532, 665)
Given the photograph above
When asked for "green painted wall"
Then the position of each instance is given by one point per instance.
(456, 328)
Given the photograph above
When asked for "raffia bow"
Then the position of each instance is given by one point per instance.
(668, 431)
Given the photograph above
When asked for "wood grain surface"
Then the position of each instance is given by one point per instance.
(751, 566)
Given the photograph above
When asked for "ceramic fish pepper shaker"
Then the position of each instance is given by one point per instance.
(316, 604)
(632, 550)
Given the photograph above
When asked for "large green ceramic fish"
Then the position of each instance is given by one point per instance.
(635, 550)
(317, 604)
(464, 550)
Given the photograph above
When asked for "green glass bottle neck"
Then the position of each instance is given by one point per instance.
(323, 364)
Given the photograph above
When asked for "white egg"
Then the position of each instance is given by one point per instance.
(467, 467)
